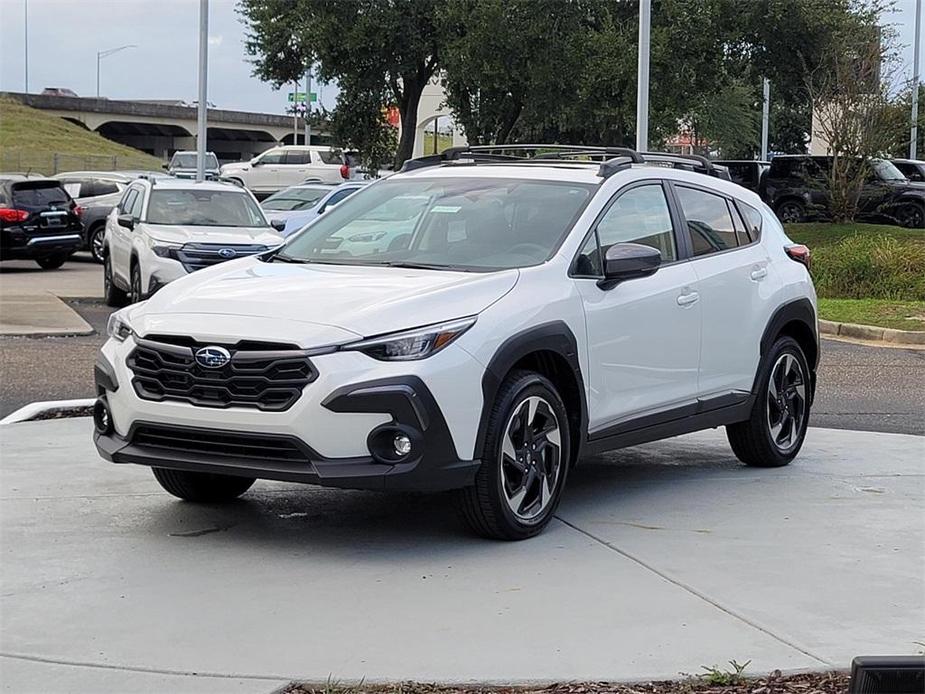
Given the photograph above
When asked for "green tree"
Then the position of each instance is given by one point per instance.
(387, 48)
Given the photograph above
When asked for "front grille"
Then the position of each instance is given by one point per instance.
(196, 256)
(264, 376)
(221, 444)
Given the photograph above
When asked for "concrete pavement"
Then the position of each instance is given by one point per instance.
(663, 558)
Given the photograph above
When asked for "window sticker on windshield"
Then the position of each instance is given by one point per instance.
(446, 209)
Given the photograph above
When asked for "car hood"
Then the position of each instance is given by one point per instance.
(235, 166)
(288, 298)
(168, 233)
(906, 187)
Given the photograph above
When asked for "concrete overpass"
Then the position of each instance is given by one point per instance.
(160, 128)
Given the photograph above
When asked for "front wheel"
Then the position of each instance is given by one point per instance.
(52, 262)
(774, 433)
(202, 486)
(911, 216)
(135, 295)
(112, 295)
(524, 463)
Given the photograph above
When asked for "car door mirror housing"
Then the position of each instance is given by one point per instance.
(126, 220)
(278, 224)
(629, 261)
(255, 162)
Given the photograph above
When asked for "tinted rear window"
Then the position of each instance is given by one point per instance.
(36, 196)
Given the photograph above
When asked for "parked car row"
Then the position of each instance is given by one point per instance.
(795, 188)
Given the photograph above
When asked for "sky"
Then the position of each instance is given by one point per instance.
(65, 35)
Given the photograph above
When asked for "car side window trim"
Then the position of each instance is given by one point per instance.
(680, 249)
(686, 233)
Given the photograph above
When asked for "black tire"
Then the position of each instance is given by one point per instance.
(51, 262)
(755, 441)
(790, 212)
(911, 216)
(486, 506)
(95, 242)
(135, 294)
(112, 295)
(201, 486)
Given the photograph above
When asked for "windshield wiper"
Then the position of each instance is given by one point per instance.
(421, 266)
(287, 259)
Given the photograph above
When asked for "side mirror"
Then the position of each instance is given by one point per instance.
(126, 220)
(629, 261)
(278, 224)
(255, 162)
(165, 166)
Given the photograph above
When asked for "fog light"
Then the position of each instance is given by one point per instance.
(402, 444)
(102, 419)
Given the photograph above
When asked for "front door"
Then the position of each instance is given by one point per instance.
(643, 334)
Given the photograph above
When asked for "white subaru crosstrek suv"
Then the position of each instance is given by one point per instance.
(163, 229)
(516, 316)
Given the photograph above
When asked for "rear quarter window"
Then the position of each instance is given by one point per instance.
(332, 157)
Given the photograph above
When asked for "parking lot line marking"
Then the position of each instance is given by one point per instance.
(696, 593)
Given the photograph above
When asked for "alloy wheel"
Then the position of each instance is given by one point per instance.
(136, 288)
(531, 458)
(790, 212)
(786, 402)
(96, 245)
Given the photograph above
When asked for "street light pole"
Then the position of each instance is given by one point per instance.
(913, 143)
(25, 10)
(202, 112)
(308, 106)
(105, 54)
(765, 113)
(642, 79)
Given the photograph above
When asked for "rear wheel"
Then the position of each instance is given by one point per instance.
(52, 262)
(774, 433)
(525, 461)
(201, 486)
(791, 211)
(112, 295)
(95, 242)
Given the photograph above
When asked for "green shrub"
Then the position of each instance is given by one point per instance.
(870, 267)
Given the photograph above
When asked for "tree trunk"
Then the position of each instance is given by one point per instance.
(408, 110)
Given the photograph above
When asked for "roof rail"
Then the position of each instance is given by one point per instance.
(694, 160)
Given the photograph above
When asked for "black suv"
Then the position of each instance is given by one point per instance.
(746, 172)
(795, 189)
(38, 221)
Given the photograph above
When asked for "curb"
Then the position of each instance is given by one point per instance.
(34, 409)
(872, 333)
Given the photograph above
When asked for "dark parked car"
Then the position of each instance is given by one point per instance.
(96, 193)
(38, 221)
(913, 169)
(746, 172)
(795, 188)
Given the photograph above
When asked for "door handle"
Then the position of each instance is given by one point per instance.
(688, 299)
(759, 274)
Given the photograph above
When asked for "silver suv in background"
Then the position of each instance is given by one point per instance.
(183, 165)
(281, 167)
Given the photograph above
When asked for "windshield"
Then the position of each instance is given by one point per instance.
(204, 208)
(187, 160)
(295, 199)
(887, 171)
(464, 223)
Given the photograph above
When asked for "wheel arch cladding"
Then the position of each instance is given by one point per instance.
(796, 319)
(551, 351)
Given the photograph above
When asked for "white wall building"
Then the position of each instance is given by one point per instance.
(432, 108)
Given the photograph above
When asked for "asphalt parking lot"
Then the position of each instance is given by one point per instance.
(663, 558)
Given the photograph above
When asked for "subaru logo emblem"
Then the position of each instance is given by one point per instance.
(213, 357)
(227, 252)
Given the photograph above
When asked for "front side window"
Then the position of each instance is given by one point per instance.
(126, 203)
(137, 203)
(339, 195)
(640, 215)
(204, 208)
(295, 199)
(274, 157)
(445, 223)
(708, 221)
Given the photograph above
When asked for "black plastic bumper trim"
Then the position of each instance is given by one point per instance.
(104, 375)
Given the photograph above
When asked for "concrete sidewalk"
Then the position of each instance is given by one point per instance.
(39, 314)
(663, 558)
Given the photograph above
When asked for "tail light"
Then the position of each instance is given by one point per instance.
(9, 215)
(344, 171)
(799, 253)
(77, 209)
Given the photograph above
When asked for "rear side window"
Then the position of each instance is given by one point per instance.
(99, 187)
(708, 221)
(34, 196)
(752, 220)
(294, 156)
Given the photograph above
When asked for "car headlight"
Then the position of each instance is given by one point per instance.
(409, 345)
(118, 327)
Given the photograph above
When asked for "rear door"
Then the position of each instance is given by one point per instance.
(734, 281)
(643, 334)
(294, 168)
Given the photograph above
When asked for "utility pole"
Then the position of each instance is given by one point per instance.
(765, 116)
(308, 105)
(295, 112)
(201, 124)
(104, 54)
(25, 11)
(913, 143)
(642, 79)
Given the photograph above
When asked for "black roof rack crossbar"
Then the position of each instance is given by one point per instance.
(692, 159)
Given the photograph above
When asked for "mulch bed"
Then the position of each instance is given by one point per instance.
(64, 413)
(775, 683)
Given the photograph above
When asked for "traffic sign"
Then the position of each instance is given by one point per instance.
(300, 97)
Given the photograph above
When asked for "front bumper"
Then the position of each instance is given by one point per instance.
(374, 410)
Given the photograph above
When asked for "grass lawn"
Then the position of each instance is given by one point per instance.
(30, 138)
(868, 274)
(902, 315)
